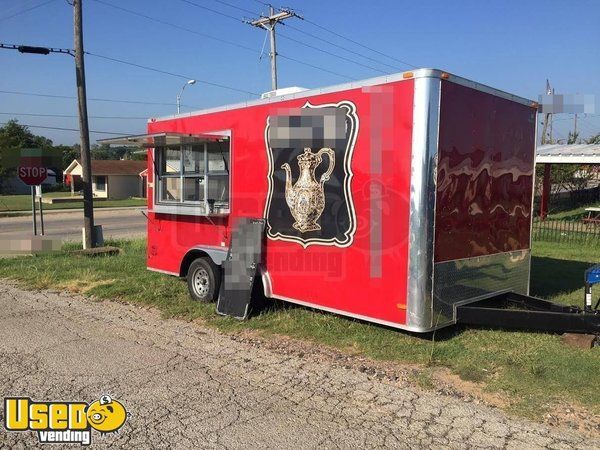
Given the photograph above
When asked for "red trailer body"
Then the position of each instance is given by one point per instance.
(390, 200)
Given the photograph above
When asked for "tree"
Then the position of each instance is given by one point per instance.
(13, 138)
(573, 137)
(69, 153)
(594, 139)
(105, 151)
(13, 135)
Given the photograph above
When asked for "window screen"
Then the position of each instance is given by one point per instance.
(101, 183)
(195, 174)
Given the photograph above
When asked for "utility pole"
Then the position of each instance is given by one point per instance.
(551, 123)
(88, 208)
(547, 118)
(268, 23)
(546, 183)
(86, 165)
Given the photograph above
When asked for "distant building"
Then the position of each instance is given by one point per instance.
(111, 179)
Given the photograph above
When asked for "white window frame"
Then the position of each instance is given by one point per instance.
(201, 207)
(105, 182)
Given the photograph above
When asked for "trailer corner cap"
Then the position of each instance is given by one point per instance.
(161, 139)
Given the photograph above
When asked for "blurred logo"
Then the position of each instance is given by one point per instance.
(308, 202)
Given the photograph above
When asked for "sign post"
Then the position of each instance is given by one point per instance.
(38, 194)
(33, 174)
(33, 210)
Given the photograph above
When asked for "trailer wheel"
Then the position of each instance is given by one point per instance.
(203, 280)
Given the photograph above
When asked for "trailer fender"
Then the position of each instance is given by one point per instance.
(217, 255)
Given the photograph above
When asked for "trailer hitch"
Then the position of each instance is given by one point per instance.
(591, 277)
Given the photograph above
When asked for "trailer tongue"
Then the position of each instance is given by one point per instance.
(523, 312)
(517, 311)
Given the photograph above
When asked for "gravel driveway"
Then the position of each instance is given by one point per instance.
(189, 386)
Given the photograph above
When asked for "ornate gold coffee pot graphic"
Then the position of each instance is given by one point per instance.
(306, 199)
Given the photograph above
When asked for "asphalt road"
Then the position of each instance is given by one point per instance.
(123, 223)
(187, 386)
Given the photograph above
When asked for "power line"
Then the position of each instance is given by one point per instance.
(173, 74)
(67, 129)
(329, 53)
(348, 39)
(45, 50)
(359, 44)
(109, 100)
(580, 116)
(327, 42)
(26, 10)
(72, 115)
(212, 10)
(235, 44)
(315, 67)
(262, 3)
(173, 25)
(314, 36)
(251, 49)
(236, 7)
(586, 127)
(278, 54)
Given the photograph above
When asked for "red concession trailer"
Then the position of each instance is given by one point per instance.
(393, 200)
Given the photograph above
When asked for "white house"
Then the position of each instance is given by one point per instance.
(112, 179)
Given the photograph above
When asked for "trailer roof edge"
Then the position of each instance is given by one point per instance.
(400, 76)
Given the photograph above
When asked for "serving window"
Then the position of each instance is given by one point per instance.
(194, 175)
(191, 171)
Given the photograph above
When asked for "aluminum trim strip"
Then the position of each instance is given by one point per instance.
(418, 73)
(147, 140)
(423, 182)
(167, 272)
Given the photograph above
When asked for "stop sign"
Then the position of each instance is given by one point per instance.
(32, 175)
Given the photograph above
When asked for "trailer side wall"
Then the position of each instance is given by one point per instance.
(363, 276)
(484, 189)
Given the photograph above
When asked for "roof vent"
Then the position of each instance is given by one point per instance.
(283, 91)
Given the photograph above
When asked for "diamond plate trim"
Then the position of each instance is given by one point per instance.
(467, 280)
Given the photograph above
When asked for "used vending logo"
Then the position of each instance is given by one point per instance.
(64, 422)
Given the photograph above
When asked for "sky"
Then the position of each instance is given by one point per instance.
(508, 44)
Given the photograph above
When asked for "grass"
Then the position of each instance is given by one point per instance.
(23, 202)
(535, 371)
(572, 214)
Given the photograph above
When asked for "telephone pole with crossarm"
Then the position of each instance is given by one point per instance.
(268, 23)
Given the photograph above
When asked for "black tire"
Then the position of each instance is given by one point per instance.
(204, 280)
